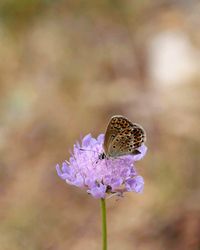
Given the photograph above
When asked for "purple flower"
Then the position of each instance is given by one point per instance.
(100, 176)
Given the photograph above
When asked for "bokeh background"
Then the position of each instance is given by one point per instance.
(65, 68)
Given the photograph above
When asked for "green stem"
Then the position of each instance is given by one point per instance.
(104, 227)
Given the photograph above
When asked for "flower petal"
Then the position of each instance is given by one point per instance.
(100, 138)
(90, 182)
(65, 167)
(59, 172)
(79, 181)
(86, 140)
(67, 172)
(98, 191)
(116, 182)
(143, 150)
(135, 184)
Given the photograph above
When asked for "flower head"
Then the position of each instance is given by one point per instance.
(85, 169)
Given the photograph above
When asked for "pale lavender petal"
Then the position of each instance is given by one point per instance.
(86, 141)
(125, 172)
(78, 145)
(128, 158)
(79, 181)
(143, 150)
(65, 167)
(98, 191)
(135, 184)
(60, 173)
(107, 179)
(72, 160)
(116, 182)
(90, 182)
(93, 142)
(66, 172)
(76, 149)
(133, 172)
(100, 138)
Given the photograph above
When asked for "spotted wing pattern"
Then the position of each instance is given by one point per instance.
(123, 137)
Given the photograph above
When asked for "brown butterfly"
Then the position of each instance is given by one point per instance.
(122, 137)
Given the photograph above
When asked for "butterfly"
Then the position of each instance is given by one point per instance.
(122, 137)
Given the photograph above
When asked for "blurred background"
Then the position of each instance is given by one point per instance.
(66, 67)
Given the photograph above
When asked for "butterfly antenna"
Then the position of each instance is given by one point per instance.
(83, 149)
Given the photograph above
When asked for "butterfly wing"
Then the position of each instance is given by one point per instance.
(123, 137)
(111, 132)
